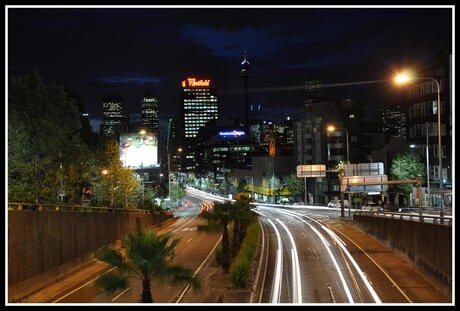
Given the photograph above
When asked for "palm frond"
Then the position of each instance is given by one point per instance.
(111, 282)
(179, 275)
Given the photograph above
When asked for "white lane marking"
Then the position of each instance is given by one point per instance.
(355, 264)
(266, 264)
(331, 293)
(297, 285)
(259, 266)
(185, 224)
(87, 283)
(316, 254)
(198, 270)
(279, 262)
(324, 241)
(260, 213)
(121, 293)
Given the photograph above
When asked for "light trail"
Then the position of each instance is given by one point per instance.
(297, 285)
(352, 260)
(331, 255)
(279, 262)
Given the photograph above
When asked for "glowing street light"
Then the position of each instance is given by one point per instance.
(401, 79)
(331, 128)
(104, 172)
(142, 132)
(180, 149)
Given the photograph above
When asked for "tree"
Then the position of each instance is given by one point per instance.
(218, 220)
(295, 185)
(119, 186)
(241, 215)
(43, 127)
(406, 166)
(147, 257)
(242, 187)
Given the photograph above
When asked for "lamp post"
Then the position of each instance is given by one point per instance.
(402, 78)
(331, 129)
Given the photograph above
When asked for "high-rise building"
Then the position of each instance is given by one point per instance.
(112, 109)
(149, 112)
(199, 105)
(393, 121)
(422, 124)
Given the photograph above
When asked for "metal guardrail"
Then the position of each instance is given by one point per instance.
(72, 208)
(419, 217)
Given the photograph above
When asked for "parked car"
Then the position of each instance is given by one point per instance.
(372, 207)
(336, 204)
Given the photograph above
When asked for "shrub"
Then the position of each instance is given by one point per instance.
(240, 267)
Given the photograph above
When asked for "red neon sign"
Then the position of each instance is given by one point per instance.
(193, 82)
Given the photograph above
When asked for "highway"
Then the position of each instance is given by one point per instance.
(194, 252)
(306, 260)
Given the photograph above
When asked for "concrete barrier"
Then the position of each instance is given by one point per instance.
(41, 240)
(428, 245)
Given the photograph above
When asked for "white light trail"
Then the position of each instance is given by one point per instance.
(296, 277)
(334, 261)
(352, 260)
(279, 263)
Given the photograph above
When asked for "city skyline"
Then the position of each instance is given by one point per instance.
(285, 47)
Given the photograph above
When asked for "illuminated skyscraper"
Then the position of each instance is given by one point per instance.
(112, 109)
(149, 111)
(199, 105)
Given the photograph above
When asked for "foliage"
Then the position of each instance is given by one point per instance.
(295, 185)
(218, 221)
(147, 256)
(241, 265)
(340, 165)
(44, 124)
(406, 166)
(119, 187)
(177, 191)
(242, 186)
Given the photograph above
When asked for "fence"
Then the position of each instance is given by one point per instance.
(73, 208)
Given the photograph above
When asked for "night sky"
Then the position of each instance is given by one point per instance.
(94, 52)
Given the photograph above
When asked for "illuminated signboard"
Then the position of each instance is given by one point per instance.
(192, 82)
(233, 133)
(139, 150)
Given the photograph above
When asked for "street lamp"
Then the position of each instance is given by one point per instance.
(403, 78)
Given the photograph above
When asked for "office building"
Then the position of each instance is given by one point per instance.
(149, 112)
(113, 115)
(199, 105)
(422, 124)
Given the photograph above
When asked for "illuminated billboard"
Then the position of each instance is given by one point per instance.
(139, 150)
(233, 133)
(193, 82)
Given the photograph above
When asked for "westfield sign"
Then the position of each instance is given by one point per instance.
(191, 82)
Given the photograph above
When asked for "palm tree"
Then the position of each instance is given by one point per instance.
(218, 220)
(241, 215)
(146, 256)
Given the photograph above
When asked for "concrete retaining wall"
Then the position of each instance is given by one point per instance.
(427, 245)
(41, 240)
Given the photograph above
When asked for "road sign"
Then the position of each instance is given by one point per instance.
(348, 181)
(310, 171)
(363, 169)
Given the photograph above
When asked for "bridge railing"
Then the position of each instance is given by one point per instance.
(73, 208)
(409, 216)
